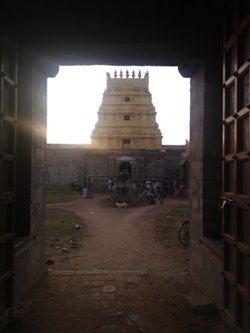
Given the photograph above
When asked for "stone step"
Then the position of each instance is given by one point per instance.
(200, 304)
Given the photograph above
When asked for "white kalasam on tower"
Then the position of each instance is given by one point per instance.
(127, 117)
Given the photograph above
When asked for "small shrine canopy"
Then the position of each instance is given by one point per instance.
(125, 158)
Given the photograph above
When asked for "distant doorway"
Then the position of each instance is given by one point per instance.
(126, 143)
(125, 166)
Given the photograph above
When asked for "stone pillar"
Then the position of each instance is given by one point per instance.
(211, 241)
(205, 177)
(31, 174)
(196, 170)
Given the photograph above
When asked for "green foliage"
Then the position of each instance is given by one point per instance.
(167, 224)
(62, 194)
(166, 230)
(60, 223)
(64, 231)
(177, 212)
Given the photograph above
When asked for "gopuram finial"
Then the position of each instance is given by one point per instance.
(126, 74)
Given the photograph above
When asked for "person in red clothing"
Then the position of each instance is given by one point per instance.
(176, 188)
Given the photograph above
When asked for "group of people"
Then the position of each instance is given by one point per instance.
(174, 188)
(153, 191)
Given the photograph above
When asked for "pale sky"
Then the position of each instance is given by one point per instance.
(75, 95)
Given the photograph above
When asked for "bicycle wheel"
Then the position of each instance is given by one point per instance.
(183, 233)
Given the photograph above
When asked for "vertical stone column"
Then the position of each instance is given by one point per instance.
(31, 175)
(38, 154)
(205, 178)
(212, 149)
(196, 169)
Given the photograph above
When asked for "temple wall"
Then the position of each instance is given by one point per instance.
(66, 164)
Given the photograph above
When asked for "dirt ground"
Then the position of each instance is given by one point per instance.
(122, 279)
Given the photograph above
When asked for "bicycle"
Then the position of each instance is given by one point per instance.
(183, 233)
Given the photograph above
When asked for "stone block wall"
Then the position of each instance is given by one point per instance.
(30, 242)
(204, 182)
(71, 163)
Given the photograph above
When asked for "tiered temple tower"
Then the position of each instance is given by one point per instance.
(126, 117)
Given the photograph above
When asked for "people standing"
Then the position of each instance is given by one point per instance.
(176, 187)
(166, 189)
(149, 196)
(159, 192)
(89, 185)
(84, 191)
(110, 185)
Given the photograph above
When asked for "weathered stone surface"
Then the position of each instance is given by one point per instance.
(200, 304)
(108, 296)
(96, 283)
(107, 304)
(133, 280)
(31, 179)
(91, 272)
(113, 328)
(62, 273)
(109, 289)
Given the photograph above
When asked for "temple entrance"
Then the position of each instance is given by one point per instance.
(193, 55)
(125, 167)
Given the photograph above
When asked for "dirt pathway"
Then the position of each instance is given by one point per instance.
(120, 239)
(121, 280)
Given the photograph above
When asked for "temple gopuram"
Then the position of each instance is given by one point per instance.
(126, 117)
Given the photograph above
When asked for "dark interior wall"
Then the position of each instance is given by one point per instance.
(205, 266)
(31, 178)
(205, 175)
(23, 163)
(211, 245)
(212, 147)
(119, 33)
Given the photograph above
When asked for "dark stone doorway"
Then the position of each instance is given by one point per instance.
(125, 166)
